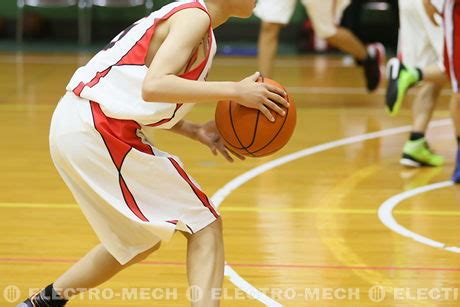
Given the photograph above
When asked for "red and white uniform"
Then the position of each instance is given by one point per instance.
(132, 194)
(421, 42)
(452, 41)
(324, 14)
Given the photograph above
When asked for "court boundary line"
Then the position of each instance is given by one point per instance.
(238, 181)
(385, 214)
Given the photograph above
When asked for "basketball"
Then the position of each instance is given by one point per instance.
(248, 132)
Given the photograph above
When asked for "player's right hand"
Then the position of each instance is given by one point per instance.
(261, 96)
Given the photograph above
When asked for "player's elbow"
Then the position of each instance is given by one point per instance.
(152, 90)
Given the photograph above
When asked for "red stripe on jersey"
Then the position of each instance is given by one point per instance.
(119, 135)
(166, 120)
(130, 201)
(200, 194)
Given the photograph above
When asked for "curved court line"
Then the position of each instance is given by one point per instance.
(385, 214)
(223, 193)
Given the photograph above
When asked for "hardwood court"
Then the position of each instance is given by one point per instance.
(310, 223)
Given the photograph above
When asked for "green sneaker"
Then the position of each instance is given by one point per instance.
(417, 154)
(400, 79)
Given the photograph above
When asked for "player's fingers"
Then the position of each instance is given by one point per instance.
(253, 77)
(213, 149)
(278, 99)
(273, 106)
(237, 155)
(265, 111)
(223, 151)
(276, 90)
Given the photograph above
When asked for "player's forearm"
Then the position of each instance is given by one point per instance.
(174, 89)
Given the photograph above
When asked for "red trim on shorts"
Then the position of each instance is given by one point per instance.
(200, 194)
(120, 137)
(130, 201)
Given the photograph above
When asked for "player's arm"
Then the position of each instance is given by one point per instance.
(433, 9)
(187, 29)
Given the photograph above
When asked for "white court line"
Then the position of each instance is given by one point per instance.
(223, 192)
(385, 214)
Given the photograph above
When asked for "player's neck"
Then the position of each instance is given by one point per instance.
(218, 11)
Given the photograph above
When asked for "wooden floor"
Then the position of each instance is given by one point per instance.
(305, 225)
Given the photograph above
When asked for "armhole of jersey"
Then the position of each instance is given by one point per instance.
(149, 32)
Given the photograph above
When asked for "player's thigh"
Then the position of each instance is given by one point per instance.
(322, 15)
(275, 11)
(420, 42)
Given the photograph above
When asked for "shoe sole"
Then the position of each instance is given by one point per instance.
(410, 163)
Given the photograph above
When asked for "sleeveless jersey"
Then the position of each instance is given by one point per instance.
(113, 77)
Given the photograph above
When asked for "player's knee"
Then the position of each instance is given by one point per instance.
(144, 255)
(210, 238)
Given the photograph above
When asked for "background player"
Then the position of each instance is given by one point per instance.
(420, 44)
(323, 14)
(404, 77)
(134, 195)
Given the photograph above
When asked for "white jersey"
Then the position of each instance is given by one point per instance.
(113, 77)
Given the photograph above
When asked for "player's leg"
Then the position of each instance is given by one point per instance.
(205, 263)
(268, 46)
(402, 77)
(416, 151)
(420, 43)
(274, 14)
(96, 267)
(323, 19)
(346, 41)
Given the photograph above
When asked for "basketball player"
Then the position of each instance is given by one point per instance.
(134, 195)
(404, 77)
(324, 14)
(421, 45)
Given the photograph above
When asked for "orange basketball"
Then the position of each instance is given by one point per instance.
(248, 132)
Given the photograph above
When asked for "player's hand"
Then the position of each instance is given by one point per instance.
(209, 135)
(261, 96)
(431, 11)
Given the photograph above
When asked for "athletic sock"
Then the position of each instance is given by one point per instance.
(48, 297)
(414, 136)
(420, 74)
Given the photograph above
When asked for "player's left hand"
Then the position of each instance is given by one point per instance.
(208, 135)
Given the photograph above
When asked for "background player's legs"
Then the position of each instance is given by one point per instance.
(346, 41)
(324, 16)
(205, 262)
(423, 106)
(268, 46)
(416, 151)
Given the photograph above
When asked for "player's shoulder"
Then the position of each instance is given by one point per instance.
(194, 17)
